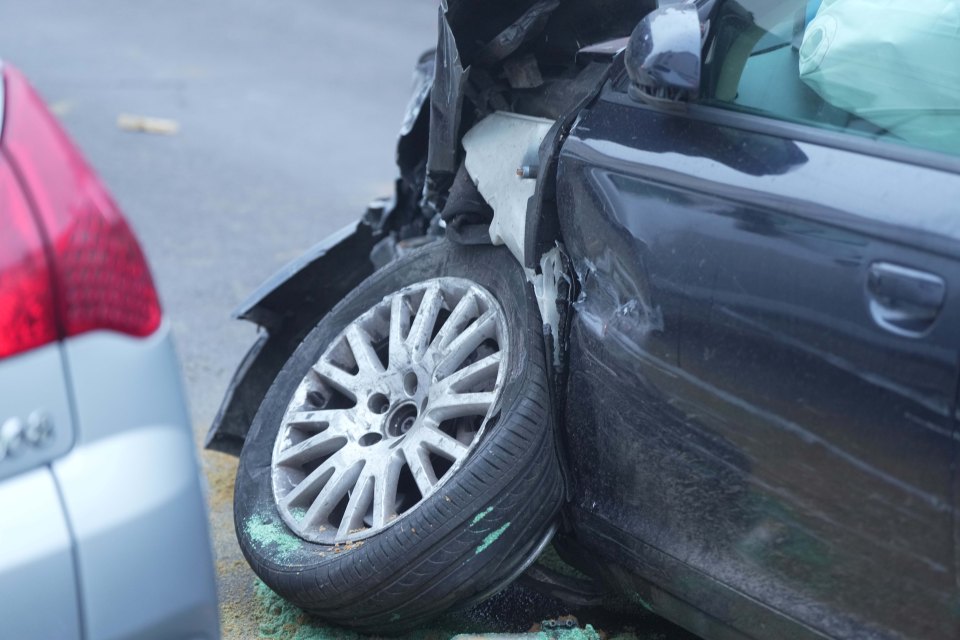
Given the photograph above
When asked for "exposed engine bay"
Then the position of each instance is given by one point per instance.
(505, 60)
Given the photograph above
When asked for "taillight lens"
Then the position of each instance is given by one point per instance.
(26, 292)
(79, 267)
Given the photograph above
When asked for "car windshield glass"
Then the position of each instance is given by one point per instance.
(876, 68)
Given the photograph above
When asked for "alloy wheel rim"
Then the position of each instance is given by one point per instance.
(390, 411)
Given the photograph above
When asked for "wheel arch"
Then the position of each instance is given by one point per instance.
(286, 307)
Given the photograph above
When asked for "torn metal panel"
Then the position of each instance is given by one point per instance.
(488, 49)
(496, 148)
(564, 101)
(471, 37)
(463, 28)
(552, 287)
(423, 76)
(415, 128)
(488, 30)
(446, 104)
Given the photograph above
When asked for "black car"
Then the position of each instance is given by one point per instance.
(674, 287)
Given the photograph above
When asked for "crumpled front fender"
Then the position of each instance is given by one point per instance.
(287, 306)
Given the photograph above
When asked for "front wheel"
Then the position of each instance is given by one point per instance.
(403, 463)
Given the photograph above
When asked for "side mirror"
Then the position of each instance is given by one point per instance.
(663, 56)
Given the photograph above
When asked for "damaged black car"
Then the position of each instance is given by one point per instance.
(673, 287)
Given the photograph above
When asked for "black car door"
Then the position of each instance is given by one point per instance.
(764, 357)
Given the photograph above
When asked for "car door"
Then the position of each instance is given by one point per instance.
(764, 353)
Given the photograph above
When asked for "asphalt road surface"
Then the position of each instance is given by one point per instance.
(287, 114)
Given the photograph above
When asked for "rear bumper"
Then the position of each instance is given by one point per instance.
(132, 493)
(38, 590)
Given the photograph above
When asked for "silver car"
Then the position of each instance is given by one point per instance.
(103, 529)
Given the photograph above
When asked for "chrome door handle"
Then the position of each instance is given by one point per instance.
(902, 300)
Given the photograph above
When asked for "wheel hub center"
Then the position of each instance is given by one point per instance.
(402, 419)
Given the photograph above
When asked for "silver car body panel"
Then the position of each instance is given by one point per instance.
(109, 540)
(38, 591)
(32, 385)
(38, 586)
(132, 492)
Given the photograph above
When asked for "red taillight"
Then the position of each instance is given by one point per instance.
(68, 261)
(26, 294)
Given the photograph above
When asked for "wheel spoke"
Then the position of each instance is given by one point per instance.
(317, 479)
(399, 327)
(463, 345)
(440, 443)
(458, 405)
(481, 371)
(465, 434)
(357, 506)
(459, 318)
(363, 352)
(419, 462)
(385, 492)
(422, 327)
(336, 378)
(314, 420)
(318, 446)
(332, 492)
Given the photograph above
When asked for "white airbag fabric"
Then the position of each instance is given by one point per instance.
(894, 63)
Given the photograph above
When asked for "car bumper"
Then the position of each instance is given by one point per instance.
(132, 493)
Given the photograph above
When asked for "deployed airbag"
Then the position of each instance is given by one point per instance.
(894, 63)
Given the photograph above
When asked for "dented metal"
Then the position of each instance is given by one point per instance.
(552, 285)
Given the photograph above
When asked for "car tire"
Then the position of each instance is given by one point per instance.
(485, 516)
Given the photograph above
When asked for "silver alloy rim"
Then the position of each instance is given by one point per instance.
(390, 411)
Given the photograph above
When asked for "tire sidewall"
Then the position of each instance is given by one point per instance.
(282, 551)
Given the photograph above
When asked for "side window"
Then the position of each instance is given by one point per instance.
(887, 70)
